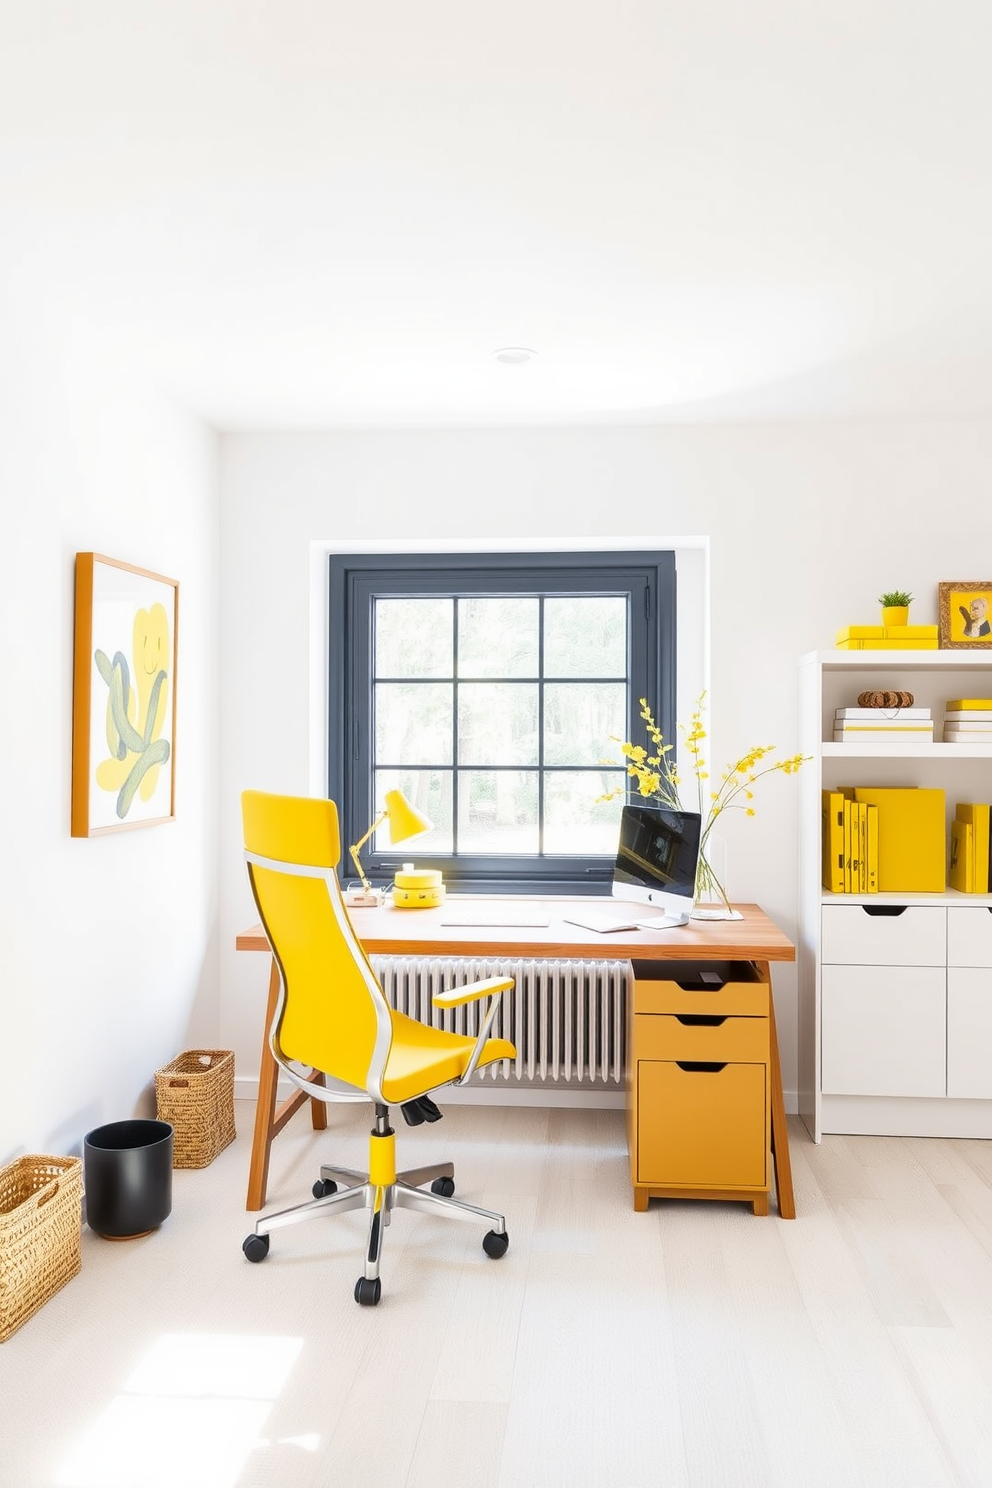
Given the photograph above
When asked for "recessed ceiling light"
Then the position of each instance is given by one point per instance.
(513, 356)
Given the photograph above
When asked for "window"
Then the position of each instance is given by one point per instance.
(487, 687)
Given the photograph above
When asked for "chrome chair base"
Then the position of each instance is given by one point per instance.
(351, 1189)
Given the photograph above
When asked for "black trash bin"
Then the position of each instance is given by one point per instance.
(127, 1177)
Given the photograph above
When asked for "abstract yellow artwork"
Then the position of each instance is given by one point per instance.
(124, 696)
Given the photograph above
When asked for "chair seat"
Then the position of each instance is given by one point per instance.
(421, 1058)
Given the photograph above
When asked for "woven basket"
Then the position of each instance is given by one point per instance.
(40, 1225)
(195, 1094)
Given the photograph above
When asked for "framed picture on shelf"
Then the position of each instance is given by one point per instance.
(123, 697)
(965, 613)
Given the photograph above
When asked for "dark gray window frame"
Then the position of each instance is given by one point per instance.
(356, 579)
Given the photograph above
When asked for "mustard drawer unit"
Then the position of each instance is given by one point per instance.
(698, 1093)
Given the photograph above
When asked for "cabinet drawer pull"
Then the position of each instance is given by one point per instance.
(889, 910)
(700, 1066)
(701, 1020)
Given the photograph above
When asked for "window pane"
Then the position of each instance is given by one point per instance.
(580, 721)
(430, 792)
(585, 636)
(497, 811)
(498, 637)
(413, 723)
(497, 723)
(414, 637)
(574, 821)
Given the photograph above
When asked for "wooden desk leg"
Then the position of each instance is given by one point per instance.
(268, 1120)
(780, 1130)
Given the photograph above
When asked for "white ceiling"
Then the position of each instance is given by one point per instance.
(330, 213)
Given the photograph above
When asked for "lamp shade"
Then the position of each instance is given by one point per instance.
(404, 819)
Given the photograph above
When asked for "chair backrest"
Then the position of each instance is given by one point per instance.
(332, 1013)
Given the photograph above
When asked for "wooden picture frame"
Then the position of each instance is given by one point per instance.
(123, 697)
(965, 614)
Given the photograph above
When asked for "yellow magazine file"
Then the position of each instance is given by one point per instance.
(833, 841)
(872, 814)
(863, 847)
(850, 812)
(961, 875)
(977, 816)
(912, 852)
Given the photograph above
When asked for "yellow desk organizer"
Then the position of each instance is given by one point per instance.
(417, 888)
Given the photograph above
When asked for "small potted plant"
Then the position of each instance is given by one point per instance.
(895, 606)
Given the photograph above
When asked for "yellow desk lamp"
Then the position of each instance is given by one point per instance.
(404, 821)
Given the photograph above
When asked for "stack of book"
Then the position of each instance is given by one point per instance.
(884, 726)
(970, 848)
(968, 721)
(888, 638)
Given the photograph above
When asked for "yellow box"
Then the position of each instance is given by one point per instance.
(860, 633)
(907, 632)
(912, 844)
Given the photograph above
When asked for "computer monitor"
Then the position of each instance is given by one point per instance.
(656, 859)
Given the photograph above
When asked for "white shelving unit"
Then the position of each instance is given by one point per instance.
(895, 990)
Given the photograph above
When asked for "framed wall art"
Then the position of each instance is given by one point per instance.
(123, 697)
(965, 613)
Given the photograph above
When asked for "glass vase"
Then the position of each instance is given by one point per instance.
(710, 900)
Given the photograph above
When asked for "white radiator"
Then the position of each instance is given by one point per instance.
(567, 1019)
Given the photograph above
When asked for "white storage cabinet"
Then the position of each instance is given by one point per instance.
(895, 991)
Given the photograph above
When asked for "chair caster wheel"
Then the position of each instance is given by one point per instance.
(368, 1290)
(443, 1186)
(323, 1187)
(256, 1247)
(495, 1245)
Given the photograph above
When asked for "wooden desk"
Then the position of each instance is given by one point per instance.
(421, 932)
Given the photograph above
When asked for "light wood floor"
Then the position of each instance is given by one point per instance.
(693, 1345)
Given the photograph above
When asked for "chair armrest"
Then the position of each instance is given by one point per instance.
(471, 992)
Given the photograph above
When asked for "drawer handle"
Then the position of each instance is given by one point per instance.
(889, 910)
(700, 1066)
(701, 1020)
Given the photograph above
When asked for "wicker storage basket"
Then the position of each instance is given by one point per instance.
(195, 1094)
(40, 1224)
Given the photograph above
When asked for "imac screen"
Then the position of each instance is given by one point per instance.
(657, 857)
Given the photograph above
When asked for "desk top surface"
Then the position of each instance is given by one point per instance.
(387, 931)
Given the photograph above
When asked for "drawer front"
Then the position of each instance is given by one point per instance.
(969, 1032)
(747, 998)
(884, 1030)
(969, 936)
(703, 1128)
(916, 936)
(664, 1037)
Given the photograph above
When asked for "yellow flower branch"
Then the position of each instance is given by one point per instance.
(656, 777)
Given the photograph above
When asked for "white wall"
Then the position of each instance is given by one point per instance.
(108, 946)
(807, 524)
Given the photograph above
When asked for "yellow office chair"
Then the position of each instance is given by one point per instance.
(333, 1021)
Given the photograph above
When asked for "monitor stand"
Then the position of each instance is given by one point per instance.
(664, 922)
